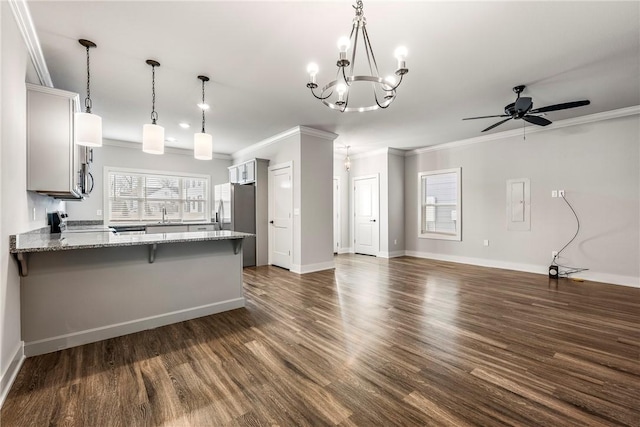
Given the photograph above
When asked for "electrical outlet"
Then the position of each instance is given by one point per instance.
(395, 241)
(560, 193)
(554, 254)
(34, 214)
(485, 242)
(554, 193)
(99, 212)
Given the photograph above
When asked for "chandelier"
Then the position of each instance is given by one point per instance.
(336, 93)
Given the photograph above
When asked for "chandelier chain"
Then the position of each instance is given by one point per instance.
(358, 7)
(154, 114)
(87, 100)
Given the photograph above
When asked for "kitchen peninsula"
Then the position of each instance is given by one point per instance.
(85, 287)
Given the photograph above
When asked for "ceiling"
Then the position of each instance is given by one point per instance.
(464, 58)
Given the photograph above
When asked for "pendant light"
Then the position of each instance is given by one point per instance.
(203, 142)
(88, 126)
(347, 161)
(153, 134)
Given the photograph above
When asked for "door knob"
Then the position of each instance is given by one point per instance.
(372, 220)
(270, 222)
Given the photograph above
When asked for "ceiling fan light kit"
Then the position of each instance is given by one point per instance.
(153, 134)
(88, 126)
(384, 90)
(522, 109)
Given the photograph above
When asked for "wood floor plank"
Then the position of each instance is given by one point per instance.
(375, 342)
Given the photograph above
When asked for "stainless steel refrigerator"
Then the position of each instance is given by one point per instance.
(236, 210)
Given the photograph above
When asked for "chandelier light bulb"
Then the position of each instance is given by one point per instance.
(401, 53)
(343, 44)
(341, 89)
(203, 106)
(312, 69)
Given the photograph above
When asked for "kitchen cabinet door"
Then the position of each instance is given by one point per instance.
(250, 172)
(233, 175)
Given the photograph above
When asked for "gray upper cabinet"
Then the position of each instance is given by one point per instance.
(54, 162)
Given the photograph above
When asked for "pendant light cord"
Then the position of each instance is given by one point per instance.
(154, 114)
(203, 104)
(87, 100)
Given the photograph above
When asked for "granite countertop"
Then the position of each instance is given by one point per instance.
(42, 242)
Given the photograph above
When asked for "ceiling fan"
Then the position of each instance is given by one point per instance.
(522, 109)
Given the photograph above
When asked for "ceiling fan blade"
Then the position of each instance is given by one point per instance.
(540, 121)
(496, 124)
(486, 117)
(523, 104)
(564, 106)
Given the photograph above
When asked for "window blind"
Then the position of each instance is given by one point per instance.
(141, 197)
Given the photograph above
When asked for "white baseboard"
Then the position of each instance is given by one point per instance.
(310, 268)
(10, 374)
(612, 279)
(393, 254)
(345, 251)
(61, 342)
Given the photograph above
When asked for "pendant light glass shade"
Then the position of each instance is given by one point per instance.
(88, 126)
(88, 129)
(153, 139)
(202, 146)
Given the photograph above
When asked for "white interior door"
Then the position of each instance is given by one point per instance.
(280, 218)
(336, 214)
(366, 215)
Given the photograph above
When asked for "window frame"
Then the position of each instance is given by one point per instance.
(434, 235)
(108, 170)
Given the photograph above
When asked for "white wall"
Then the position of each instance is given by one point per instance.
(316, 158)
(597, 164)
(311, 153)
(129, 155)
(16, 204)
(345, 183)
(396, 203)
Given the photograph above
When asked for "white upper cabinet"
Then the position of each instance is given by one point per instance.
(244, 173)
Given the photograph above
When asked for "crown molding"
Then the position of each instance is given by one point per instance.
(167, 150)
(23, 19)
(298, 130)
(591, 118)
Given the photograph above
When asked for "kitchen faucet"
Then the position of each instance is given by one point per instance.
(164, 213)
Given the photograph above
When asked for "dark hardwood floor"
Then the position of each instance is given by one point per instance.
(374, 343)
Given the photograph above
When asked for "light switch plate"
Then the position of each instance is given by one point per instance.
(486, 242)
(554, 193)
(99, 212)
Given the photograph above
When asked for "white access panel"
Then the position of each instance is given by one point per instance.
(518, 204)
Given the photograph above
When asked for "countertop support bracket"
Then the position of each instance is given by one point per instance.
(237, 245)
(152, 252)
(21, 258)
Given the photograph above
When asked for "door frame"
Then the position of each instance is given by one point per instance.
(337, 211)
(283, 165)
(353, 209)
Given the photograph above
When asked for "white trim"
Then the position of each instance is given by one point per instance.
(9, 376)
(106, 170)
(298, 130)
(336, 249)
(167, 150)
(433, 235)
(345, 251)
(311, 268)
(60, 342)
(607, 278)
(605, 115)
(23, 19)
(392, 254)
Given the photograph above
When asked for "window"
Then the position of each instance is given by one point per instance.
(440, 213)
(141, 196)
